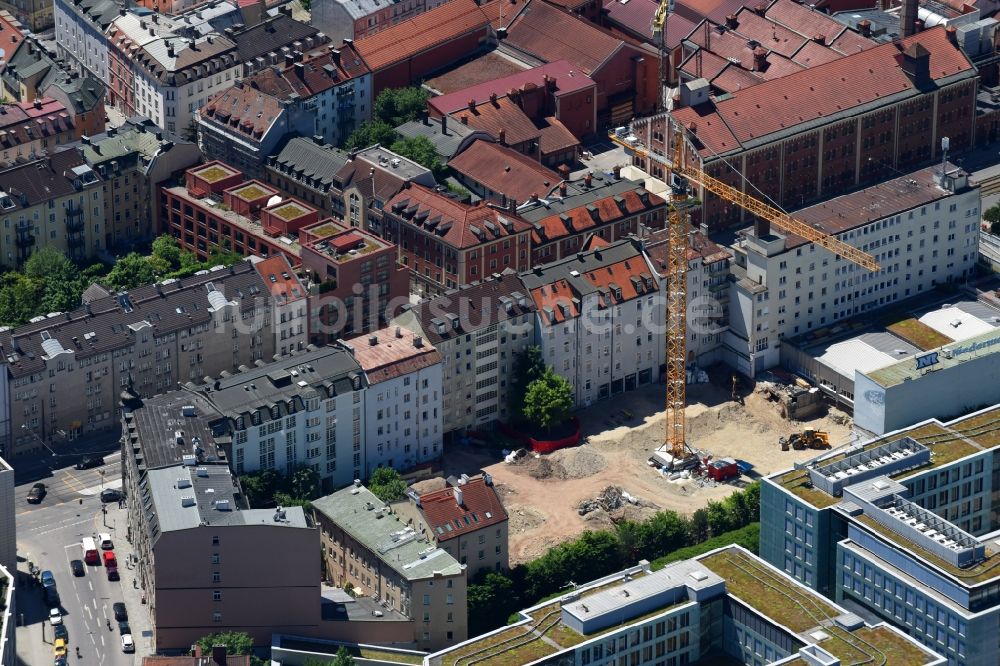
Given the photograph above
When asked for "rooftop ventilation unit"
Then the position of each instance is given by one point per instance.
(187, 501)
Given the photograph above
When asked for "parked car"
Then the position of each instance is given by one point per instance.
(55, 616)
(123, 628)
(121, 613)
(113, 573)
(111, 495)
(109, 559)
(61, 632)
(59, 647)
(37, 493)
(104, 539)
(77, 567)
(61, 661)
(127, 644)
(48, 580)
(87, 462)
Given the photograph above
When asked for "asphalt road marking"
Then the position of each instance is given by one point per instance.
(57, 529)
(71, 481)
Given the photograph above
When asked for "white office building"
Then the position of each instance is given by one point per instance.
(921, 228)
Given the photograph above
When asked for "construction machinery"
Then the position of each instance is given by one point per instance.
(675, 453)
(807, 439)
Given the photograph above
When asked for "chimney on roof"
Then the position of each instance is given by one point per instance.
(300, 70)
(563, 189)
(289, 60)
(865, 28)
(908, 17)
(731, 22)
(563, 170)
(588, 179)
(219, 655)
(444, 125)
(617, 171)
(493, 98)
(952, 34)
(760, 9)
(335, 56)
(465, 119)
(503, 137)
(916, 64)
(759, 59)
(472, 104)
(819, 39)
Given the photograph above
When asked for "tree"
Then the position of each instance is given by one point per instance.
(422, 151)
(19, 297)
(260, 487)
(166, 253)
(386, 484)
(342, 658)
(396, 106)
(528, 366)
(992, 214)
(305, 483)
(131, 271)
(236, 642)
(369, 133)
(59, 278)
(548, 400)
(699, 526)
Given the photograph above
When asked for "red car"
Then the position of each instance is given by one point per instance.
(109, 559)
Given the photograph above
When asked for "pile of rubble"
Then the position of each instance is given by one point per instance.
(610, 499)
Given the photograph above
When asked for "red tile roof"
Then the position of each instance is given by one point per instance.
(619, 276)
(557, 300)
(244, 109)
(457, 224)
(555, 137)
(699, 246)
(550, 33)
(411, 38)
(713, 10)
(772, 36)
(810, 22)
(321, 71)
(504, 171)
(447, 519)
(394, 355)
(11, 33)
(820, 92)
(554, 227)
(568, 79)
(637, 17)
(493, 117)
(280, 279)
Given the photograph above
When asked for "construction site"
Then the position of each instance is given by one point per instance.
(608, 478)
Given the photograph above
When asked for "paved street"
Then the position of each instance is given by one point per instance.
(49, 535)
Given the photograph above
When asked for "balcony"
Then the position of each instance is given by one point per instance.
(24, 237)
(76, 241)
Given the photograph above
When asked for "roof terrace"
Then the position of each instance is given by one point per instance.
(214, 172)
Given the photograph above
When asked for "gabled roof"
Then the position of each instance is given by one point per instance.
(606, 210)
(321, 70)
(819, 94)
(504, 170)
(243, 110)
(568, 79)
(457, 224)
(500, 114)
(447, 519)
(394, 354)
(270, 35)
(302, 158)
(637, 17)
(550, 33)
(699, 246)
(414, 36)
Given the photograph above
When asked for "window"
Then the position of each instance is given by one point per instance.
(216, 595)
(216, 577)
(215, 558)
(427, 600)
(216, 616)
(215, 540)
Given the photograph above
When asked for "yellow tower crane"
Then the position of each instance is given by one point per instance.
(681, 175)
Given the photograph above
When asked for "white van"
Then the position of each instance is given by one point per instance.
(105, 541)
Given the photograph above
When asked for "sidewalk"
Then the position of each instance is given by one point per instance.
(138, 613)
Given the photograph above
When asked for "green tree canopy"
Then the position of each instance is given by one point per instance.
(268, 488)
(386, 484)
(528, 366)
(396, 106)
(992, 214)
(59, 277)
(236, 642)
(342, 658)
(422, 151)
(19, 298)
(548, 400)
(131, 271)
(369, 133)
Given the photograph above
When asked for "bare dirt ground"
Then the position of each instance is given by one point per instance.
(542, 494)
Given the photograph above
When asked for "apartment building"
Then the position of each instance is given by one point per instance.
(170, 75)
(217, 207)
(354, 19)
(366, 545)
(707, 290)
(447, 243)
(353, 187)
(600, 319)
(185, 506)
(132, 161)
(291, 303)
(922, 229)
(900, 527)
(8, 524)
(803, 146)
(359, 285)
(55, 202)
(727, 606)
(66, 371)
(33, 14)
(404, 422)
(466, 518)
(602, 205)
(33, 130)
(479, 329)
(80, 34)
(302, 409)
